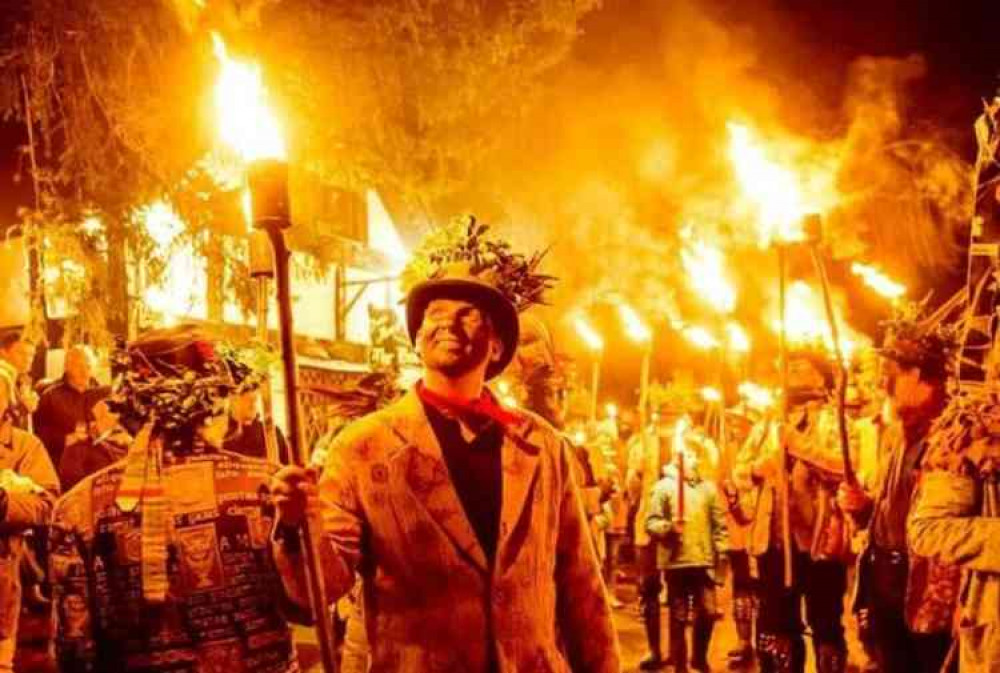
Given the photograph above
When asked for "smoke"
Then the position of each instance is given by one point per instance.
(629, 146)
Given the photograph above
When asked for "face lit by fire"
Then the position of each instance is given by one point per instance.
(905, 386)
(20, 354)
(456, 337)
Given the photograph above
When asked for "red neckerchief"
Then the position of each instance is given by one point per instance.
(485, 406)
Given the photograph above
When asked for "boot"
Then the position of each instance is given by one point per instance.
(780, 653)
(678, 644)
(700, 640)
(651, 621)
(742, 655)
(830, 658)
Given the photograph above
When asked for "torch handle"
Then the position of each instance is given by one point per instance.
(314, 577)
(845, 446)
(267, 404)
(680, 486)
(786, 519)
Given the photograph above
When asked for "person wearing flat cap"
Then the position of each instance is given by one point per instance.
(460, 515)
(902, 599)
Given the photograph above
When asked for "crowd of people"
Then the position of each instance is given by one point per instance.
(143, 528)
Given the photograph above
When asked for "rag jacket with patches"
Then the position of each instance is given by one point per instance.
(433, 601)
(222, 611)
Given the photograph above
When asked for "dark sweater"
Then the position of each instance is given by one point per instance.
(475, 471)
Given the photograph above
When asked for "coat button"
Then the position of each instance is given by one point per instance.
(499, 597)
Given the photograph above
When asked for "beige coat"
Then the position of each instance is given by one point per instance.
(30, 484)
(816, 469)
(956, 519)
(432, 601)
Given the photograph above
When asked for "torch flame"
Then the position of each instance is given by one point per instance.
(680, 431)
(700, 337)
(246, 122)
(636, 329)
(710, 394)
(781, 197)
(588, 334)
(706, 271)
(738, 339)
(806, 320)
(878, 281)
(756, 395)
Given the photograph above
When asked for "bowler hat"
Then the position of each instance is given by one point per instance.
(459, 281)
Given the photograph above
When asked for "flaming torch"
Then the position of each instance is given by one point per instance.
(639, 332)
(595, 343)
(248, 126)
(776, 194)
(878, 281)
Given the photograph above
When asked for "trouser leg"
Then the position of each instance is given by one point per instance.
(780, 648)
(825, 584)
(650, 585)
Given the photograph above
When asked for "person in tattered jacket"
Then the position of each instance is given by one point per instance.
(461, 516)
(955, 520)
(28, 486)
(907, 600)
(816, 533)
(162, 561)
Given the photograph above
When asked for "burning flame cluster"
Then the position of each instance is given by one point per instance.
(705, 266)
(878, 281)
(780, 196)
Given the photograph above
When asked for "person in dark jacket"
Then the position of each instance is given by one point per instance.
(63, 412)
(105, 442)
(246, 433)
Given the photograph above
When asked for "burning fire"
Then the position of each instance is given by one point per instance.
(701, 337)
(756, 395)
(780, 195)
(706, 272)
(246, 122)
(680, 431)
(878, 281)
(588, 334)
(710, 394)
(181, 291)
(806, 320)
(634, 326)
(739, 340)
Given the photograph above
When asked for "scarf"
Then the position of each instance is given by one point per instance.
(485, 406)
(141, 488)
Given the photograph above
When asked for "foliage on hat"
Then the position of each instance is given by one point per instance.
(466, 240)
(176, 396)
(917, 342)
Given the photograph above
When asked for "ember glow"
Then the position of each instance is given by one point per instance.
(878, 281)
(634, 326)
(246, 122)
(781, 195)
(589, 335)
(705, 266)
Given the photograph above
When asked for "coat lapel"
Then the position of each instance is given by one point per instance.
(519, 458)
(428, 479)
